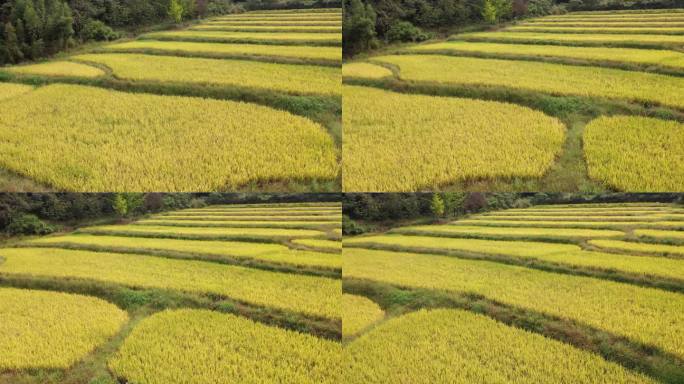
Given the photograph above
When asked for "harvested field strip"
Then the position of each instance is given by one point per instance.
(365, 70)
(201, 249)
(324, 53)
(78, 138)
(294, 79)
(237, 224)
(310, 295)
(265, 234)
(639, 248)
(358, 313)
(624, 30)
(53, 330)
(408, 146)
(334, 29)
(637, 266)
(248, 37)
(634, 153)
(558, 80)
(527, 232)
(571, 224)
(224, 348)
(57, 68)
(677, 236)
(608, 40)
(322, 244)
(9, 90)
(644, 315)
(431, 345)
(247, 219)
(663, 58)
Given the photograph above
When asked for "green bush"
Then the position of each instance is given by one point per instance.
(98, 31)
(405, 31)
(350, 227)
(28, 225)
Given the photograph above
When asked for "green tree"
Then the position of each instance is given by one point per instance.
(176, 11)
(12, 48)
(125, 204)
(358, 27)
(489, 11)
(437, 205)
(120, 205)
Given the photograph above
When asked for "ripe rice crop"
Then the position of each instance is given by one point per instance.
(358, 313)
(276, 22)
(294, 215)
(247, 28)
(304, 294)
(272, 253)
(295, 79)
(537, 232)
(603, 29)
(636, 153)
(365, 70)
(79, 138)
(42, 329)
(199, 232)
(571, 224)
(569, 217)
(200, 346)
(237, 224)
(558, 79)
(416, 141)
(428, 346)
(264, 210)
(247, 219)
(248, 37)
(217, 49)
(570, 255)
(57, 68)
(660, 234)
(645, 248)
(606, 24)
(664, 58)
(646, 315)
(319, 243)
(312, 17)
(599, 39)
(9, 90)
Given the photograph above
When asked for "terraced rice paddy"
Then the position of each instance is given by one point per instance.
(580, 67)
(640, 285)
(269, 78)
(358, 313)
(236, 306)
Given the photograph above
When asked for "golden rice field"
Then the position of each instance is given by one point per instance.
(330, 39)
(600, 39)
(201, 232)
(240, 224)
(429, 346)
(660, 234)
(358, 313)
(252, 28)
(573, 224)
(636, 153)
(416, 142)
(365, 70)
(296, 79)
(640, 299)
(89, 139)
(623, 30)
(330, 245)
(9, 90)
(57, 68)
(247, 218)
(42, 329)
(196, 346)
(218, 49)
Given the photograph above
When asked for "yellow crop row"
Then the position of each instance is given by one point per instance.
(320, 243)
(304, 294)
(89, 139)
(297, 79)
(248, 218)
(635, 153)
(558, 79)
(201, 233)
(631, 246)
(9, 90)
(365, 70)
(274, 253)
(577, 38)
(658, 57)
(275, 22)
(327, 53)
(537, 232)
(358, 313)
(416, 141)
(603, 29)
(591, 23)
(57, 68)
(274, 37)
(571, 224)
(309, 17)
(43, 329)
(238, 224)
(265, 210)
(267, 28)
(569, 217)
(199, 346)
(660, 234)
(428, 346)
(644, 315)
